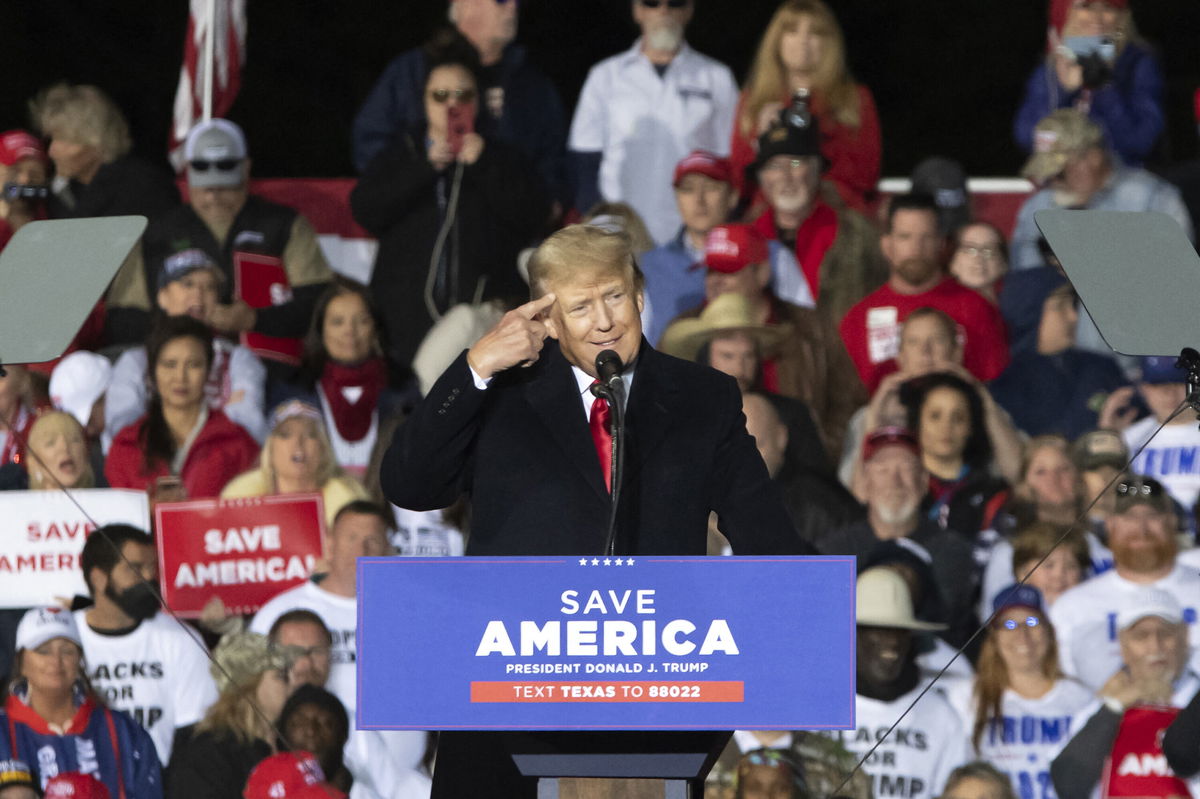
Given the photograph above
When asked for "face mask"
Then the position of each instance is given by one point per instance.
(138, 601)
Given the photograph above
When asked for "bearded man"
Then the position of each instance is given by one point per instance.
(1142, 537)
(915, 250)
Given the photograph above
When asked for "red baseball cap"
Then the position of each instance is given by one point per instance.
(889, 436)
(289, 775)
(731, 248)
(704, 163)
(74, 785)
(16, 145)
(1060, 9)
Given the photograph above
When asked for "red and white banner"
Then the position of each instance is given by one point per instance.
(224, 23)
(244, 551)
(42, 534)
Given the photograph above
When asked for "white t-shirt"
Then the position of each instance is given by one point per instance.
(1190, 558)
(915, 760)
(340, 615)
(1172, 458)
(643, 124)
(1029, 734)
(1085, 621)
(158, 674)
(998, 574)
(425, 533)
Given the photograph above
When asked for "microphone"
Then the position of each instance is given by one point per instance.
(608, 371)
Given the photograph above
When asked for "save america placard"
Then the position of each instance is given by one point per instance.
(244, 551)
(42, 534)
(606, 643)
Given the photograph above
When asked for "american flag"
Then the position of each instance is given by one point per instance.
(228, 31)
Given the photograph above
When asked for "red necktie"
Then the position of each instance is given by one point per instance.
(602, 438)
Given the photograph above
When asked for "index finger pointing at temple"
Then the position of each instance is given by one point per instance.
(531, 309)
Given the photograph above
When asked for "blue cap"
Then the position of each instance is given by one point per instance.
(1017, 596)
(1161, 369)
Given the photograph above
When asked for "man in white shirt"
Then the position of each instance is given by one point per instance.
(915, 759)
(1141, 534)
(139, 660)
(359, 530)
(384, 763)
(643, 110)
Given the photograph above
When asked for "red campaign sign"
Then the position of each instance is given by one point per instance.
(261, 281)
(244, 551)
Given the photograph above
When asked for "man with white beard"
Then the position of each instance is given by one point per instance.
(643, 110)
(895, 484)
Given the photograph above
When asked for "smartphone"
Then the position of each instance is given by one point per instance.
(460, 120)
(1082, 46)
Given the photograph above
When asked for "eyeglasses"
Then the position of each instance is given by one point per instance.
(670, 3)
(1012, 624)
(223, 165)
(986, 253)
(442, 96)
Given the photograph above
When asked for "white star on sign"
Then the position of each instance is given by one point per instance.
(595, 561)
(628, 561)
(618, 561)
(607, 562)
(583, 561)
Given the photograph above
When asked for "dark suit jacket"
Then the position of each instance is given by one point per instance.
(523, 451)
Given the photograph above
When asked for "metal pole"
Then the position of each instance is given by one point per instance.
(209, 66)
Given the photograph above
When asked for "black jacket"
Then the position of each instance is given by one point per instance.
(502, 207)
(523, 451)
(210, 766)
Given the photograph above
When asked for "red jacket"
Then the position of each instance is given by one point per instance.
(855, 155)
(220, 452)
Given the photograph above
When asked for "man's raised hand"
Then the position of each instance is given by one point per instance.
(515, 340)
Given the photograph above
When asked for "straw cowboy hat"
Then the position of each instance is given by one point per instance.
(728, 313)
(882, 600)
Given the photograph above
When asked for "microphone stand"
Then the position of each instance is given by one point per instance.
(1189, 359)
(614, 393)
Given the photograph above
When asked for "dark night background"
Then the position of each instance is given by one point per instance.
(947, 74)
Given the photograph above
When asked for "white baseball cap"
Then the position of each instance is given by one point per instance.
(1149, 602)
(44, 624)
(78, 381)
(215, 150)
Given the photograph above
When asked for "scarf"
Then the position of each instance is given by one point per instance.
(353, 394)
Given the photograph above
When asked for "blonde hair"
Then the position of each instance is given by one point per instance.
(234, 714)
(582, 249)
(1033, 446)
(84, 115)
(835, 94)
(631, 222)
(66, 425)
(327, 465)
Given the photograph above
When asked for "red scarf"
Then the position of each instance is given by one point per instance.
(353, 419)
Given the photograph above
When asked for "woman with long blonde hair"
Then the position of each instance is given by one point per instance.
(803, 48)
(1020, 709)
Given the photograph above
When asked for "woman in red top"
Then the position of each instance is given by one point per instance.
(803, 49)
(179, 437)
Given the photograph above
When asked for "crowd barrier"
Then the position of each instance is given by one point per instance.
(351, 250)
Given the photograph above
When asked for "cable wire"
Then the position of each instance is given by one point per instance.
(988, 622)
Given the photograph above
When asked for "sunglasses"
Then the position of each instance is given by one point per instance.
(1145, 487)
(442, 96)
(670, 3)
(1012, 624)
(224, 165)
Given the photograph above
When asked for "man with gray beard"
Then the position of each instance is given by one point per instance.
(641, 111)
(896, 482)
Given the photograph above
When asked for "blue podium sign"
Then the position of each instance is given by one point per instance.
(593, 643)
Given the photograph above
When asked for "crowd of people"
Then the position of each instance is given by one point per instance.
(924, 388)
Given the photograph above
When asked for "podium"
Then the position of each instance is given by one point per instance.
(619, 676)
